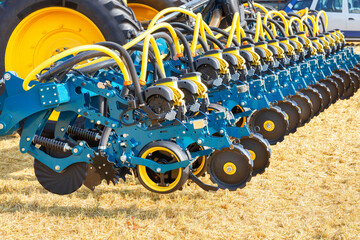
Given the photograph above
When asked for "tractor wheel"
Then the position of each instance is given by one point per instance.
(163, 152)
(34, 30)
(145, 10)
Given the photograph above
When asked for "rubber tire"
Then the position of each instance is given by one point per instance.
(182, 156)
(332, 86)
(315, 98)
(215, 165)
(340, 84)
(260, 147)
(160, 4)
(114, 19)
(325, 94)
(292, 111)
(305, 106)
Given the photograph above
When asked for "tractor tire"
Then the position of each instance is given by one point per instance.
(146, 10)
(33, 30)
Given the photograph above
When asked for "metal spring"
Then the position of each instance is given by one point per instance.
(51, 143)
(83, 133)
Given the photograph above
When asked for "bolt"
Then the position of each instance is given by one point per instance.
(123, 158)
(229, 169)
(23, 149)
(242, 104)
(28, 139)
(49, 101)
(57, 167)
(54, 94)
(98, 122)
(42, 96)
(113, 125)
(1, 126)
(7, 76)
(41, 89)
(75, 150)
(221, 131)
(183, 132)
(62, 129)
(79, 110)
(81, 144)
(158, 169)
(54, 87)
(88, 156)
(47, 88)
(199, 141)
(108, 94)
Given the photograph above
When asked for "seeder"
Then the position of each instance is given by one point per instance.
(178, 100)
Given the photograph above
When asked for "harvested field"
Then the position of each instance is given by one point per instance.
(310, 191)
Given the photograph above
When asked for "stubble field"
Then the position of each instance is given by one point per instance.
(310, 191)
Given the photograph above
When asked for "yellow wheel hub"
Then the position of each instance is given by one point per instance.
(45, 33)
(252, 154)
(202, 160)
(143, 172)
(269, 125)
(229, 168)
(143, 12)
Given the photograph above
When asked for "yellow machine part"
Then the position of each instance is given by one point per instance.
(147, 179)
(143, 12)
(202, 89)
(178, 94)
(45, 33)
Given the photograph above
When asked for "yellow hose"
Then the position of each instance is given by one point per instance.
(182, 10)
(32, 75)
(153, 29)
(150, 39)
(321, 12)
(258, 6)
(286, 26)
(295, 19)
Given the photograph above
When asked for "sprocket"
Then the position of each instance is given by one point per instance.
(104, 168)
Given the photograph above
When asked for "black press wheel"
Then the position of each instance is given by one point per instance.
(259, 151)
(293, 113)
(324, 92)
(271, 123)
(305, 105)
(340, 84)
(230, 168)
(315, 99)
(332, 86)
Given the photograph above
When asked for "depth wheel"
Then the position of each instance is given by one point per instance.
(349, 92)
(293, 113)
(163, 152)
(199, 166)
(230, 168)
(259, 151)
(332, 86)
(270, 123)
(315, 99)
(324, 92)
(305, 105)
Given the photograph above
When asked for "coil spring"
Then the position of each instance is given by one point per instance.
(83, 133)
(51, 143)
